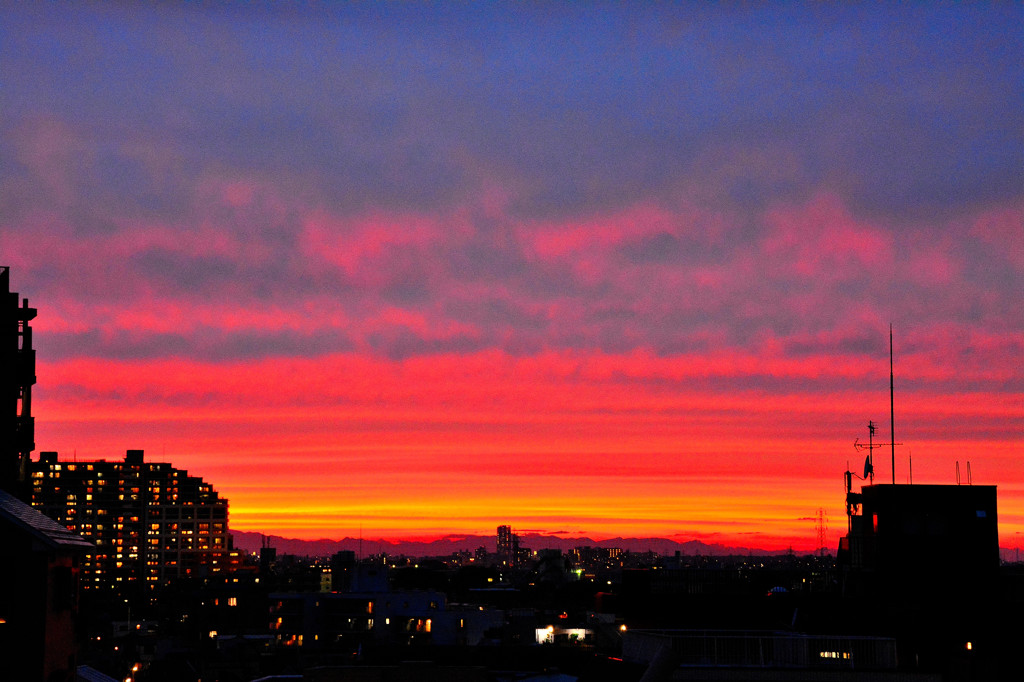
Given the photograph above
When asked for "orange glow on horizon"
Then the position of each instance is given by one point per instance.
(577, 444)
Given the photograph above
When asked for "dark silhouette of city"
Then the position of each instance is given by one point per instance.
(125, 569)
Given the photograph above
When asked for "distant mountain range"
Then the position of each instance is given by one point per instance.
(445, 546)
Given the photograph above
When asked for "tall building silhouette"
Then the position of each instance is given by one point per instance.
(17, 375)
(151, 523)
(507, 545)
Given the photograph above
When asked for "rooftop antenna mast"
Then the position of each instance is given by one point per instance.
(892, 410)
(869, 464)
(870, 446)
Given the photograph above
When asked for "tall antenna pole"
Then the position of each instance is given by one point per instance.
(892, 410)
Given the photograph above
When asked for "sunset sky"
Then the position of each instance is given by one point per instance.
(426, 268)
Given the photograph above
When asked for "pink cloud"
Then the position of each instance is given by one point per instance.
(559, 240)
(822, 240)
(1003, 228)
(360, 245)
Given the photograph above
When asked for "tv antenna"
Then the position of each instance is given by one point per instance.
(892, 410)
(869, 466)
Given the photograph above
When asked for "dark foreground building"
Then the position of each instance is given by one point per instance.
(17, 376)
(914, 538)
(39, 569)
(921, 563)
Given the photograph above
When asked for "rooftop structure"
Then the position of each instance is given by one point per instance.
(908, 527)
(44, 533)
(921, 562)
(750, 650)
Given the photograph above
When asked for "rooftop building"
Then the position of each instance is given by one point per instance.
(921, 563)
(908, 527)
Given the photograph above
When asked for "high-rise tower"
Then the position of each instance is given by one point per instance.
(507, 545)
(17, 375)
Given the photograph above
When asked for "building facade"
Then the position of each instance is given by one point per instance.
(923, 537)
(921, 563)
(507, 546)
(17, 376)
(150, 522)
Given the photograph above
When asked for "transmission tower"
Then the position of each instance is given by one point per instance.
(822, 523)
